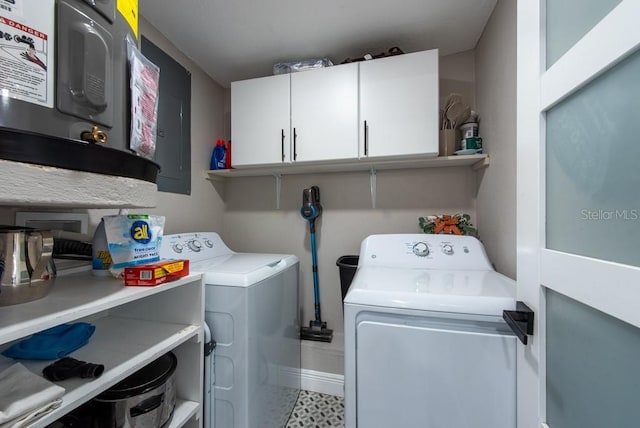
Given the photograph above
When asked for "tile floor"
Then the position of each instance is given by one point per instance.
(315, 410)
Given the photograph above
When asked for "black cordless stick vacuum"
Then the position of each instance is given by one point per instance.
(311, 209)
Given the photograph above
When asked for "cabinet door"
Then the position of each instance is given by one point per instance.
(399, 105)
(260, 121)
(324, 113)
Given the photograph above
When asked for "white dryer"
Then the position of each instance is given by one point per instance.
(252, 309)
(425, 342)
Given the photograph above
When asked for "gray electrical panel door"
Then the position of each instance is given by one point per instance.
(173, 142)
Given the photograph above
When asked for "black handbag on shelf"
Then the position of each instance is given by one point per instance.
(391, 52)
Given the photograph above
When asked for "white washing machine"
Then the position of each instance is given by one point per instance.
(425, 342)
(252, 309)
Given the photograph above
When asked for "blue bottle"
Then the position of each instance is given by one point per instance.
(218, 157)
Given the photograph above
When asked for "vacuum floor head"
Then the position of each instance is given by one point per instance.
(317, 331)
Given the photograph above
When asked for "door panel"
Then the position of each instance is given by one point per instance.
(578, 214)
(173, 140)
(399, 102)
(324, 113)
(592, 160)
(592, 367)
(416, 374)
(569, 20)
(260, 119)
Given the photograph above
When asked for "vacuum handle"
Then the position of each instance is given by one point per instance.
(311, 207)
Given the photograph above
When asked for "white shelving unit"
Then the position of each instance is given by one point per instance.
(134, 326)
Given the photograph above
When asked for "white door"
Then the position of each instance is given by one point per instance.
(260, 121)
(434, 372)
(399, 105)
(324, 113)
(579, 212)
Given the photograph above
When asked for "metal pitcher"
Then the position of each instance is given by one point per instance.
(25, 264)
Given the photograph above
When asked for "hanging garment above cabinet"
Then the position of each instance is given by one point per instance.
(382, 108)
(399, 106)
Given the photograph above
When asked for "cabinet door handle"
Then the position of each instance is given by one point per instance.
(295, 140)
(282, 144)
(366, 138)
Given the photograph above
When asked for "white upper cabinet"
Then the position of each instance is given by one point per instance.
(324, 113)
(385, 108)
(399, 106)
(260, 121)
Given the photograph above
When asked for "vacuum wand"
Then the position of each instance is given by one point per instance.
(314, 263)
(310, 211)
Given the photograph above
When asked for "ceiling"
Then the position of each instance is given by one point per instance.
(241, 39)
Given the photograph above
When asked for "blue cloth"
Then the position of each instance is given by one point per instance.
(53, 343)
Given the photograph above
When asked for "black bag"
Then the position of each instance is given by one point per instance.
(391, 52)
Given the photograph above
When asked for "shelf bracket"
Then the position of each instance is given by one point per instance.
(481, 164)
(278, 178)
(372, 180)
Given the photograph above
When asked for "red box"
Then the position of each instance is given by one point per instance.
(156, 273)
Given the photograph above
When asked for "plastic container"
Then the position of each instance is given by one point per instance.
(347, 266)
(295, 66)
(101, 257)
(219, 156)
(468, 130)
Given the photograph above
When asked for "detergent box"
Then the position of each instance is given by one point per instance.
(156, 273)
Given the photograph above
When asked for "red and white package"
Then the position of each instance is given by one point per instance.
(145, 85)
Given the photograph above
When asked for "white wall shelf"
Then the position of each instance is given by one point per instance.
(476, 162)
(134, 326)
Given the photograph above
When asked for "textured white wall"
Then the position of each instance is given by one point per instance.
(496, 104)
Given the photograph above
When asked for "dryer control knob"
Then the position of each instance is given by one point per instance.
(177, 247)
(421, 249)
(195, 245)
(447, 249)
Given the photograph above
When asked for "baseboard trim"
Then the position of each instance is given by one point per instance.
(322, 382)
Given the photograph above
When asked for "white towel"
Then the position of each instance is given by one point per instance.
(25, 396)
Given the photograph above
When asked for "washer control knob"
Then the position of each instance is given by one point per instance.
(421, 249)
(208, 243)
(447, 249)
(177, 247)
(195, 245)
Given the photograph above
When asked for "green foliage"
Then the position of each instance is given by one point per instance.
(461, 221)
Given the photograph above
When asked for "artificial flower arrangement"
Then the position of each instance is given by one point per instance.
(457, 224)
